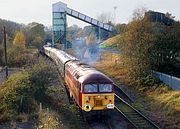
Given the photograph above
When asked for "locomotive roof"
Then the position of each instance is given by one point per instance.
(87, 74)
(94, 77)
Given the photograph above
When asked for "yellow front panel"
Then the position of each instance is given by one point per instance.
(97, 101)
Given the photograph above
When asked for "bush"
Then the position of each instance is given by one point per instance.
(162, 88)
(150, 81)
(16, 56)
(16, 95)
(19, 56)
(20, 93)
(40, 75)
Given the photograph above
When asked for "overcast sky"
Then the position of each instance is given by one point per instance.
(26, 11)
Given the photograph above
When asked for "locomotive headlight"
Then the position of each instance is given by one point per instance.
(87, 107)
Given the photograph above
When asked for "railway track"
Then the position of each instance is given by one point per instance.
(137, 119)
(120, 92)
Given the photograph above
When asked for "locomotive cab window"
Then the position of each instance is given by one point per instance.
(105, 88)
(90, 88)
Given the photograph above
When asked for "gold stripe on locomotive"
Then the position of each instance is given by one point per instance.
(97, 102)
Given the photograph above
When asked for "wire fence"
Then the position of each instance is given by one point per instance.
(172, 81)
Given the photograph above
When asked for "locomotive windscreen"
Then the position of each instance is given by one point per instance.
(105, 88)
(93, 88)
(90, 88)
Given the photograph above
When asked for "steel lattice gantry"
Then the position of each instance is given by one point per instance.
(60, 10)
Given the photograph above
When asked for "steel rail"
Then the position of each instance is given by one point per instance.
(124, 93)
(136, 111)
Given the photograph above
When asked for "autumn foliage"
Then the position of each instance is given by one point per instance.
(19, 40)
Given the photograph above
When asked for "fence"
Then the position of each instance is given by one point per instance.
(172, 81)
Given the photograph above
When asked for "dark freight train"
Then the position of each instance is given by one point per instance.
(91, 89)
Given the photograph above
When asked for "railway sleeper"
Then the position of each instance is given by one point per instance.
(139, 122)
(142, 125)
(136, 118)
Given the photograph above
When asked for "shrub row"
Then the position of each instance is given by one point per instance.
(21, 92)
(17, 56)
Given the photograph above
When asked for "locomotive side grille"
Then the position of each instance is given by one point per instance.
(98, 102)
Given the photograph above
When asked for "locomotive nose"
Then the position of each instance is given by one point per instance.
(87, 107)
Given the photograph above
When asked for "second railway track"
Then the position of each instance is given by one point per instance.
(137, 119)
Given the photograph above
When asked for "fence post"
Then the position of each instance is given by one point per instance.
(5, 52)
(40, 107)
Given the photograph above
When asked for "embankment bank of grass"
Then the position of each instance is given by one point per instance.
(21, 92)
(154, 98)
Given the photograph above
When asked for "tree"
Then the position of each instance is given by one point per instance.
(169, 15)
(73, 32)
(136, 45)
(19, 40)
(32, 31)
(138, 14)
(166, 49)
(38, 42)
(48, 34)
(105, 17)
(147, 46)
(120, 28)
(80, 33)
(11, 29)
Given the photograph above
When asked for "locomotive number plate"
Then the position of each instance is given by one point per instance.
(110, 106)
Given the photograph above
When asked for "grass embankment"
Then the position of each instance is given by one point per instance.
(60, 115)
(155, 98)
(110, 43)
(22, 93)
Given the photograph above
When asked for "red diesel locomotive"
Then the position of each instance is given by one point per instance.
(91, 89)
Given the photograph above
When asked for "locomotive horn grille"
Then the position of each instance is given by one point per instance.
(98, 102)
